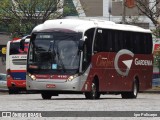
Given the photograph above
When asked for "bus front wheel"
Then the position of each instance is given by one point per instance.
(46, 96)
(93, 94)
(133, 93)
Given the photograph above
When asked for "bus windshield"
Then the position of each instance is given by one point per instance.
(15, 48)
(54, 53)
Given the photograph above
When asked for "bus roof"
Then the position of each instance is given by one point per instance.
(81, 25)
(15, 40)
(19, 39)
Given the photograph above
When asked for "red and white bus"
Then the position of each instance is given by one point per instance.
(93, 57)
(16, 57)
(156, 68)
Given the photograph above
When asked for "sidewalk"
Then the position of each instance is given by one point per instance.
(153, 90)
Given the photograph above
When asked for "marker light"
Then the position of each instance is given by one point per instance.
(29, 74)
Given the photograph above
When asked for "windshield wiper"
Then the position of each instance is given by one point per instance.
(61, 62)
(52, 51)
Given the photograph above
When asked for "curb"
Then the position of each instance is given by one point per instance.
(151, 91)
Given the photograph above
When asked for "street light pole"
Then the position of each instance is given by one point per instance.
(124, 12)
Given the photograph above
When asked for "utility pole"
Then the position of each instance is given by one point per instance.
(123, 12)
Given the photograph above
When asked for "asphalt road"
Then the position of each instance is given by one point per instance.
(34, 102)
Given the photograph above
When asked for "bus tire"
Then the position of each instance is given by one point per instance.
(133, 94)
(46, 96)
(11, 91)
(93, 94)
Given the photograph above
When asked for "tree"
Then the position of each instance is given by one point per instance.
(151, 9)
(23, 15)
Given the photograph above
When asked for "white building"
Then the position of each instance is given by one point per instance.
(112, 10)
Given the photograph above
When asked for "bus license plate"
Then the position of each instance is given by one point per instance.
(50, 86)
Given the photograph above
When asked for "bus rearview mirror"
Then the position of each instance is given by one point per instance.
(80, 47)
(81, 42)
(22, 44)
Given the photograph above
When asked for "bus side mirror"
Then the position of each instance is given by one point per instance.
(22, 44)
(80, 47)
(81, 43)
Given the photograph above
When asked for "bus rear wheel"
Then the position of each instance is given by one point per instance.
(133, 94)
(46, 96)
(93, 94)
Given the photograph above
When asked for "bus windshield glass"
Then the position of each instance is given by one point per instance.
(15, 48)
(54, 53)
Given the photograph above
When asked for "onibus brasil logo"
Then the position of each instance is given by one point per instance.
(128, 63)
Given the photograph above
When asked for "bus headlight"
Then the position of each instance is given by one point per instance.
(72, 77)
(33, 77)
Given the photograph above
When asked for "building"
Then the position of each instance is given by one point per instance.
(112, 10)
(4, 38)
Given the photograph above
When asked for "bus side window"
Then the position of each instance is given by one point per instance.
(129, 41)
(104, 41)
(142, 44)
(124, 40)
(109, 41)
(136, 43)
(98, 41)
(148, 40)
(87, 48)
(116, 41)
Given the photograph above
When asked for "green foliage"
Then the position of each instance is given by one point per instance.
(69, 9)
(21, 16)
(156, 32)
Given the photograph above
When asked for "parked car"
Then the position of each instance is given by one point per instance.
(3, 82)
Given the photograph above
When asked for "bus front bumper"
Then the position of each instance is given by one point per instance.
(53, 85)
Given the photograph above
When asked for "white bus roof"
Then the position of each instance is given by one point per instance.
(81, 25)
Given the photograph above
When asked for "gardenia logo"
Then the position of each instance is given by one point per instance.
(143, 62)
(128, 63)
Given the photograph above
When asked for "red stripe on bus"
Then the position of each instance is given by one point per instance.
(18, 70)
